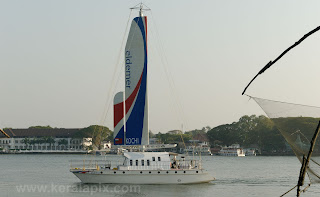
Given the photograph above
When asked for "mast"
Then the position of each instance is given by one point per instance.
(140, 12)
(136, 92)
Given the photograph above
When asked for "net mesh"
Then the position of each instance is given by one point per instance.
(297, 124)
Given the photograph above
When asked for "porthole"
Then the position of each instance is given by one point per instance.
(123, 172)
(140, 172)
(184, 171)
(149, 172)
(175, 172)
(158, 172)
(196, 171)
(167, 172)
(101, 172)
(114, 172)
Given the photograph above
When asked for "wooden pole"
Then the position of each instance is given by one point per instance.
(305, 161)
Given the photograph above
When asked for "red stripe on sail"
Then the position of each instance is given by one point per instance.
(118, 113)
(131, 98)
(146, 35)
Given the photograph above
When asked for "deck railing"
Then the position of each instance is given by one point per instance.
(93, 164)
(120, 165)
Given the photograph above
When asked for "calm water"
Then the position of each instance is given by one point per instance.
(48, 175)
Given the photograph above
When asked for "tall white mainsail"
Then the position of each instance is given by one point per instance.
(136, 96)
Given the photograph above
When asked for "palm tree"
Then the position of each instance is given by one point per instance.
(33, 142)
(50, 141)
(63, 142)
(42, 141)
(26, 141)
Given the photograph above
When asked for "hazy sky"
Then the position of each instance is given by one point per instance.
(57, 59)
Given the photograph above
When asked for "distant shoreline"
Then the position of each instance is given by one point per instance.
(78, 153)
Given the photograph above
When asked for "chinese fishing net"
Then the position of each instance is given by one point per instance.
(298, 124)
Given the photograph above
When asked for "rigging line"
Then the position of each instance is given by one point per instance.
(109, 100)
(174, 99)
(171, 99)
(288, 191)
(305, 189)
(169, 76)
(280, 56)
(315, 162)
(259, 105)
(155, 50)
(299, 132)
(283, 102)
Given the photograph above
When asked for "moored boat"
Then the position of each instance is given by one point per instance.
(143, 168)
(233, 151)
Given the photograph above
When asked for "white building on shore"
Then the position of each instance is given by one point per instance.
(43, 140)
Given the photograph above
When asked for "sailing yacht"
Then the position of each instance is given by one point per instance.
(131, 130)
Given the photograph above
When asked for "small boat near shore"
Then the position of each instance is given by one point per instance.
(232, 151)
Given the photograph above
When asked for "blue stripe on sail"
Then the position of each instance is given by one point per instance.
(135, 121)
(134, 124)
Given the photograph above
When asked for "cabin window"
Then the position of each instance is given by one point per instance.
(159, 159)
(130, 162)
(137, 162)
(153, 159)
(148, 162)
(142, 162)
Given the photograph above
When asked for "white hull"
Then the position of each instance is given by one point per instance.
(155, 177)
(231, 155)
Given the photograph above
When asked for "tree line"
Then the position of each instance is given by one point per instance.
(253, 131)
(250, 132)
(96, 132)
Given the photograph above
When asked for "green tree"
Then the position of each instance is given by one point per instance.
(151, 134)
(98, 134)
(168, 138)
(33, 142)
(48, 140)
(248, 131)
(40, 127)
(63, 142)
(26, 141)
(226, 133)
(196, 132)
